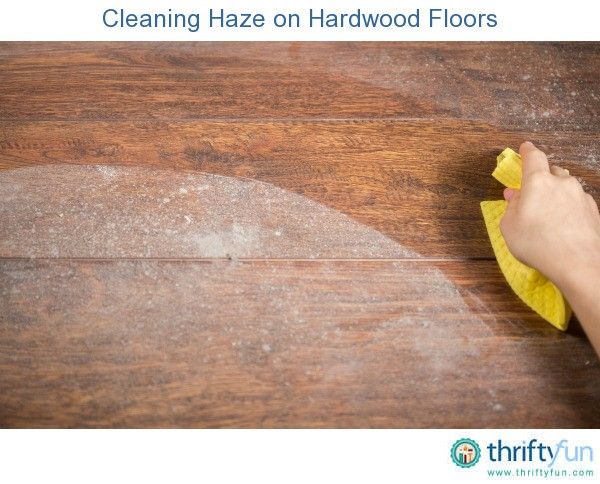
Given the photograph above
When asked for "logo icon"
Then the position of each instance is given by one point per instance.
(465, 453)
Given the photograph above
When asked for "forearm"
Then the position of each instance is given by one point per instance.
(581, 287)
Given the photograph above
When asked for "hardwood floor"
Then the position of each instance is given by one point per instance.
(280, 234)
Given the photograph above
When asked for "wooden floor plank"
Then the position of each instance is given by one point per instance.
(282, 343)
(419, 183)
(527, 85)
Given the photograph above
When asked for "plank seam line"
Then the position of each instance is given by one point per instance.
(255, 259)
(363, 119)
(231, 119)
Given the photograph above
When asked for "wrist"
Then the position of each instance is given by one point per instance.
(580, 272)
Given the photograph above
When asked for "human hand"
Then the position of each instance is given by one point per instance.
(551, 224)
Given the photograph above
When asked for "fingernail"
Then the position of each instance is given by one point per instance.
(528, 143)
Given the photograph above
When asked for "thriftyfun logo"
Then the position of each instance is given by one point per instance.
(536, 451)
(465, 452)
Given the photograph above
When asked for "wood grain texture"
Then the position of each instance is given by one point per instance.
(282, 343)
(397, 140)
(418, 182)
(123, 212)
(527, 85)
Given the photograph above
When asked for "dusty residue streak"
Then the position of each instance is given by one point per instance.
(102, 211)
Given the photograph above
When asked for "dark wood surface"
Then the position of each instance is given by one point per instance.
(419, 182)
(340, 273)
(282, 343)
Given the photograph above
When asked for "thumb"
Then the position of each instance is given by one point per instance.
(512, 197)
(507, 220)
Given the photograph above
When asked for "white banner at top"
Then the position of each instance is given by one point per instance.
(259, 20)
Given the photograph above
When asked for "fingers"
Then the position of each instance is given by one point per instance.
(509, 193)
(534, 160)
(558, 171)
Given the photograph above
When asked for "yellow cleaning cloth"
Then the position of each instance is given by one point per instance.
(530, 285)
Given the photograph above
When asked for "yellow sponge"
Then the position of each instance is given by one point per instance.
(530, 285)
(509, 169)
